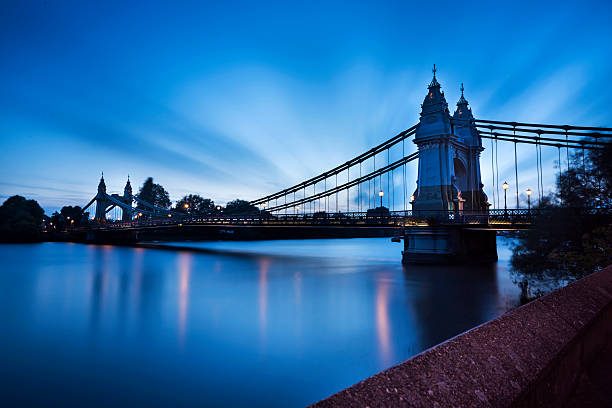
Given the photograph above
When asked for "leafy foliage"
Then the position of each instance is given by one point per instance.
(240, 207)
(196, 205)
(153, 194)
(20, 219)
(567, 244)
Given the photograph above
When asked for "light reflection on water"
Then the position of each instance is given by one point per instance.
(271, 323)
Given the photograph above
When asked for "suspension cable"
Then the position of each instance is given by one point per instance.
(404, 173)
(541, 180)
(388, 184)
(359, 191)
(567, 158)
(541, 170)
(374, 193)
(325, 189)
(497, 171)
(493, 167)
(516, 172)
(348, 190)
(354, 182)
(538, 169)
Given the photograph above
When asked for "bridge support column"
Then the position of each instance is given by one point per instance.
(448, 245)
(449, 158)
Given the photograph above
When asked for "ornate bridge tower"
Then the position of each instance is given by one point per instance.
(126, 214)
(103, 203)
(449, 180)
(449, 156)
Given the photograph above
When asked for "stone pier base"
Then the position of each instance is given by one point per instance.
(448, 244)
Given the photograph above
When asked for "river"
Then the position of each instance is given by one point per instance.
(269, 323)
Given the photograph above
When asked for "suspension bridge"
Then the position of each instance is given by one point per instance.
(447, 217)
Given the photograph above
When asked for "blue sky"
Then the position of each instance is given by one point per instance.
(240, 99)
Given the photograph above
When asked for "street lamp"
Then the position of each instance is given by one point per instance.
(528, 199)
(505, 186)
(218, 208)
(186, 205)
(381, 194)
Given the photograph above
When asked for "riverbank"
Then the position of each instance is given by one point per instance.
(536, 355)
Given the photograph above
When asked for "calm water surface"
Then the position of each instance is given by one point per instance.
(274, 323)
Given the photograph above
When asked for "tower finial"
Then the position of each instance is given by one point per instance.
(434, 71)
(102, 173)
(462, 89)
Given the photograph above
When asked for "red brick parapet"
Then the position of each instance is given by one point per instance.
(531, 356)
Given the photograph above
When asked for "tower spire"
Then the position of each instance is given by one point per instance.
(462, 103)
(102, 185)
(434, 82)
(127, 190)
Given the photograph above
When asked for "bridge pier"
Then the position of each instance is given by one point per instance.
(448, 244)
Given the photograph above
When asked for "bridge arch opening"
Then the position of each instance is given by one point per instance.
(460, 174)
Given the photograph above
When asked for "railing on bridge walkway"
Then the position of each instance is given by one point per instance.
(496, 219)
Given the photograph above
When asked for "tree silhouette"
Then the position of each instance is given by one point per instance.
(566, 244)
(196, 205)
(240, 207)
(153, 194)
(20, 219)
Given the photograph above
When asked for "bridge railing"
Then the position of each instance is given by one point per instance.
(494, 218)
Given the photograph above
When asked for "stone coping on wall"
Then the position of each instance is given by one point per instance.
(530, 356)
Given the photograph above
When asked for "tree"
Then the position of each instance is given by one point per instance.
(567, 244)
(240, 207)
(57, 221)
(153, 194)
(196, 205)
(20, 219)
(74, 216)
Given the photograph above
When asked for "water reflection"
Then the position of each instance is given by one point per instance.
(382, 321)
(286, 322)
(184, 270)
(263, 295)
(451, 299)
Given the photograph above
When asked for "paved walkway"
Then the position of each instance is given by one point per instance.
(595, 386)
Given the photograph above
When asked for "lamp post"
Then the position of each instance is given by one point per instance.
(528, 199)
(381, 194)
(505, 186)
